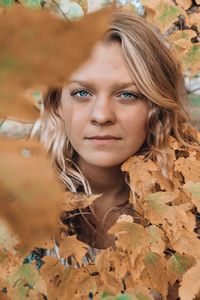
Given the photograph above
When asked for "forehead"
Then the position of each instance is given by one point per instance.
(106, 64)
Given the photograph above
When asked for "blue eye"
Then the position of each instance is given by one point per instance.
(80, 94)
(129, 95)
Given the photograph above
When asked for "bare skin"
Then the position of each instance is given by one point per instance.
(111, 183)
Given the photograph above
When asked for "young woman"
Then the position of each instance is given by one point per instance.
(126, 99)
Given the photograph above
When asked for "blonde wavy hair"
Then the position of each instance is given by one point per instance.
(158, 77)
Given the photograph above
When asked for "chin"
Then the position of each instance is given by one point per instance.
(106, 163)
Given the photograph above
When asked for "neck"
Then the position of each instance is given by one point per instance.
(107, 181)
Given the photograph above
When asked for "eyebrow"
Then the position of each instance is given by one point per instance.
(114, 85)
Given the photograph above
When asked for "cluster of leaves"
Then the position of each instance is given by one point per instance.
(180, 20)
(156, 253)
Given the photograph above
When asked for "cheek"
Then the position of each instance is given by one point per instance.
(137, 122)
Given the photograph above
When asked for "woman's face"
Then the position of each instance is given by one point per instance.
(105, 115)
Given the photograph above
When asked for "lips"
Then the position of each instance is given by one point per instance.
(103, 140)
(104, 137)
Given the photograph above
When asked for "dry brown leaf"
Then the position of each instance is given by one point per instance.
(80, 285)
(54, 275)
(30, 194)
(194, 190)
(132, 238)
(172, 218)
(30, 57)
(193, 19)
(155, 273)
(187, 243)
(177, 265)
(181, 40)
(184, 3)
(190, 284)
(111, 283)
(141, 182)
(103, 260)
(110, 259)
(166, 14)
(189, 168)
(74, 201)
(8, 241)
(149, 4)
(158, 239)
(71, 246)
(139, 292)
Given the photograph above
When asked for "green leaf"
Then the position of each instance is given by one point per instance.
(157, 201)
(32, 3)
(194, 189)
(167, 14)
(192, 56)
(24, 279)
(180, 264)
(151, 258)
(124, 297)
(109, 296)
(6, 3)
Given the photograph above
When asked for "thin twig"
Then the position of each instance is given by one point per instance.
(58, 7)
(77, 214)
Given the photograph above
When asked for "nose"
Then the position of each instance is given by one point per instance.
(102, 112)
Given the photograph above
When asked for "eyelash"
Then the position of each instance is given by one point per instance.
(133, 95)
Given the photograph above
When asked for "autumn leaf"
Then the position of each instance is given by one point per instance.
(194, 189)
(111, 283)
(155, 273)
(20, 284)
(189, 168)
(185, 4)
(166, 14)
(190, 284)
(110, 259)
(80, 285)
(177, 265)
(55, 277)
(71, 246)
(30, 194)
(132, 238)
(72, 201)
(141, 181)
(187, 243)
(191, 58)
(181, 40)
(193, 19)
(139, 293)
(8, 241)
(157, 242)
(30, 44)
